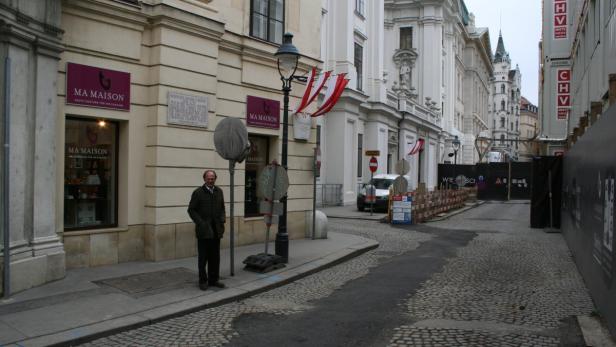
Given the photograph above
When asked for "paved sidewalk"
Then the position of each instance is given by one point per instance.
(94, 302)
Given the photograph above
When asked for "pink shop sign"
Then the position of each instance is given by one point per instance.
(97, 87)
(264, 113)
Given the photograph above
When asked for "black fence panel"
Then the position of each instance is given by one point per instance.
(521, 180)
(547, 178)
(494, 181)
(588, 223)
(446, 173)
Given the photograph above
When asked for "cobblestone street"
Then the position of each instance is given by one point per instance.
(507, 285)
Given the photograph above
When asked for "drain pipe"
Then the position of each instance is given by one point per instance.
(5, 175)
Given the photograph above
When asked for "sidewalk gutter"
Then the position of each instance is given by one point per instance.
(455, 212)
(89, 332)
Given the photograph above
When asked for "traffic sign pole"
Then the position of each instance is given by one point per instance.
(373, 164)
(372, 192)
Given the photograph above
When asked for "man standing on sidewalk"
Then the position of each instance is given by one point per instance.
(207, 210)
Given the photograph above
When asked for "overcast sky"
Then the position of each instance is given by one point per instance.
(520, 23)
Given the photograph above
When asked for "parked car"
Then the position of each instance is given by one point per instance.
(382, 183)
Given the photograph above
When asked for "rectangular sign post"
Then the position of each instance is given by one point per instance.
(373, 164)
(401, 209)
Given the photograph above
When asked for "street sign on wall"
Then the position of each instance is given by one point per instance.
(373, 153)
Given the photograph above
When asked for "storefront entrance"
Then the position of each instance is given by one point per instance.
(256, 161)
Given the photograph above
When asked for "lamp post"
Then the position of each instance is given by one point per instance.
(455, 144)
(288, 57)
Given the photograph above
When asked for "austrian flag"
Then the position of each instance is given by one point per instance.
(417, 147)
(335, 87)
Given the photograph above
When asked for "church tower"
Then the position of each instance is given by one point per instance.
(505, 104)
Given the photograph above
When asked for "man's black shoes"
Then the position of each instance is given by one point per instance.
(218, 284)
(203, 286)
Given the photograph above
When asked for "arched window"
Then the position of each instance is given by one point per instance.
(503, 88)
(502, 105)
(502, 139)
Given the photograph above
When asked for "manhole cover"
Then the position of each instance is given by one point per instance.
(152, 282)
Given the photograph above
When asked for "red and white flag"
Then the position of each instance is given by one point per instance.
(313, 90)
(304, 102)
(335, 87)
(417, 147)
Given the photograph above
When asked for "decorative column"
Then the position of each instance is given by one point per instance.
(31, 40)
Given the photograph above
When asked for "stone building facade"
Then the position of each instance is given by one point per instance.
(407, 81)
(529, 131)
(128, 94)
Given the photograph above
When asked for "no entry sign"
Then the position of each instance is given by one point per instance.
(373, 164)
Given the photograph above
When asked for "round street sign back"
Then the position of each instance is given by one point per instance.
(402, 167)
(400, 185)
(273, 182)
(373, 164)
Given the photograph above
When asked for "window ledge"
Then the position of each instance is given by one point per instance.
(251, 219)
(95, 231)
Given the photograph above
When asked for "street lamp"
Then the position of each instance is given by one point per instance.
(288, 57)
(455, 144)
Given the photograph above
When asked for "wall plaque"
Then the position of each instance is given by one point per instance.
(183, 109)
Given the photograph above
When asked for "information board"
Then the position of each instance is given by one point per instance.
(401, 208)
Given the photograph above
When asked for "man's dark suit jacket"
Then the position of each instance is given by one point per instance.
(207, 210)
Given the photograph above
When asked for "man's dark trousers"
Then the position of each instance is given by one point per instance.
(208, 253)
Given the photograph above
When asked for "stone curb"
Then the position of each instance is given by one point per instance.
(113, 326)
(463, 209)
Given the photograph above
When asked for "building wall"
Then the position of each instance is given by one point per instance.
(587, 52)
(30, 46)
(203, 51)
(198, 49)
(475, 89)
(528, 131)
(407, 93)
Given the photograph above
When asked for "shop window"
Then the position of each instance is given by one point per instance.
(267, 19)
(90, 174)
(256, 161)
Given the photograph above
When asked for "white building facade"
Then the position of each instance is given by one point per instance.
(408, 64)
(505, 104)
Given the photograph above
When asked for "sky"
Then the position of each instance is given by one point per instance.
(520, 23)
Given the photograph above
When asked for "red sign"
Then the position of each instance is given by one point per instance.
(373, 164)
(263, 113)
(563, 96)
(97, 87)
(560, 19)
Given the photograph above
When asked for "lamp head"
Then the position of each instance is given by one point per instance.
(288, 56)
(455, 143)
